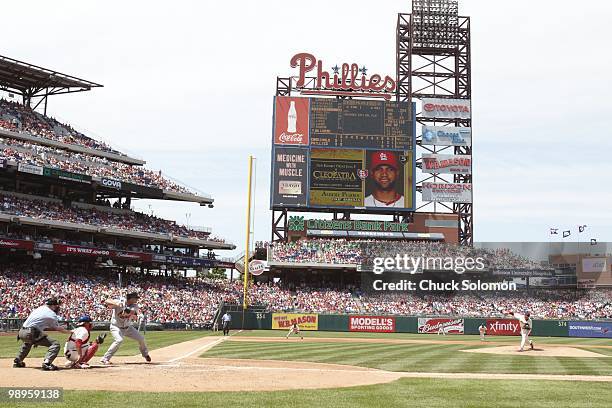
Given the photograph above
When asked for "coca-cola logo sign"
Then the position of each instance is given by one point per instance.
(347, 79)
(291, 121)
(289, 138)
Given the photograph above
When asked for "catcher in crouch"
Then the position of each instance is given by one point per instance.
(78, 350)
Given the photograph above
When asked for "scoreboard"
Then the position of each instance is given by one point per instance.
(351, 123)
(330, 153)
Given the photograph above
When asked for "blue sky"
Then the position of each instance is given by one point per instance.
(189, 86)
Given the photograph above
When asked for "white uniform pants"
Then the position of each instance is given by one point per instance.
(524, 338)
(118, 334)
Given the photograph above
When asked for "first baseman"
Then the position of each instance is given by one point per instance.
(482, 329)
(121, 326)
(526, 326)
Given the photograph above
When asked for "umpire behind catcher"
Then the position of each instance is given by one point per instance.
(32, 334)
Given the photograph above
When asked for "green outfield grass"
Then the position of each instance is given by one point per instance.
(415, 336)
(417, 357)
(155, 339)
(430, 393)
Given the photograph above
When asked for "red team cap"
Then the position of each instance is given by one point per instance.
(383, 158)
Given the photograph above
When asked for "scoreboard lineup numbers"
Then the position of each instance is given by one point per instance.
(323, 154)
(360, 124)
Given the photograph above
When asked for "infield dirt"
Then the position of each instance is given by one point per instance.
(178, 369)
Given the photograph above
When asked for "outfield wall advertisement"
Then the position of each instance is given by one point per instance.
(503, 327)
(436, 326)
(590, 329)
(372, 324)
(284, 321)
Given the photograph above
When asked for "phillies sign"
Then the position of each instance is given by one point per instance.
(348, 79)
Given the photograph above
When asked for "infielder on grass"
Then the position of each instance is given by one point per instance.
(482, 329)
(295, 329)
(121, 326)
(526, 326)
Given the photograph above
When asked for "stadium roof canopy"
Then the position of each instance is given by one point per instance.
(31, 81)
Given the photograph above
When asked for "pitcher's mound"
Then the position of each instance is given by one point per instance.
(545, 351)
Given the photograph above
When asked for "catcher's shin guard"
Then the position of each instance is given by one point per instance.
(91, 351)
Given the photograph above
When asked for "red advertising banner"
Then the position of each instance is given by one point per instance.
(372, 324)
(443, 326)
(503, 327)
(291, 119)
(16, 244)
(79, 250)
(136, 256)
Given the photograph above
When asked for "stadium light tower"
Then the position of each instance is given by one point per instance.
(434, 61)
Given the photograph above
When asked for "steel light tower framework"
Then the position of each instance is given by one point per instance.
(434, 61)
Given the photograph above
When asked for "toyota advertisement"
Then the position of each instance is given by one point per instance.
(447, 108)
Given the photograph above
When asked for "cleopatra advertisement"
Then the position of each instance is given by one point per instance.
(305, 321)
(335, 153)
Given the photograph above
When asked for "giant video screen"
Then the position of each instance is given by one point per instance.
(343, 154)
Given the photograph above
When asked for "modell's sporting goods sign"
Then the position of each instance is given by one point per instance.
(372, 324)
(447, 164)
(441, 326)
(447, 192)
(446, 108)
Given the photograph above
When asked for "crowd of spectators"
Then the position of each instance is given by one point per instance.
(124, 220)
(38, 155)
(19, 118)
(363, 252)
(195, 300)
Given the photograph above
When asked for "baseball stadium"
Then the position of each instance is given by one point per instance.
(359, 284)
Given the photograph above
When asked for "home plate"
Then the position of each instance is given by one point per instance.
(544, 351)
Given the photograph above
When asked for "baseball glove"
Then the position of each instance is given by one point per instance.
(100, 338)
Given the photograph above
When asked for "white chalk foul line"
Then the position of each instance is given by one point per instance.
(203, 348)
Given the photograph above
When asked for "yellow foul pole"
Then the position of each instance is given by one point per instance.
(248, 236)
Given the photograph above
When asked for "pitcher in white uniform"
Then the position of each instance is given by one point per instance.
(124, 313)
(526, 327)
